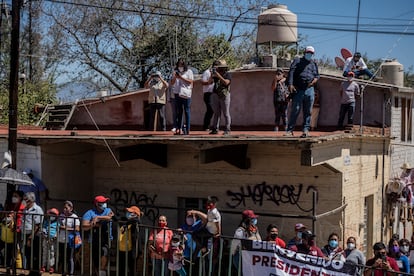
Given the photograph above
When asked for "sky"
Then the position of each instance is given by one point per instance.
(394, 16)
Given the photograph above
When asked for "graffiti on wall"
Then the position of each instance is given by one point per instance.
(276, 194)
(122, 199)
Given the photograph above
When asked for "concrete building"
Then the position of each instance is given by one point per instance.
(333, 181)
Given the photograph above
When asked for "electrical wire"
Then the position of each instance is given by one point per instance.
(343, 27)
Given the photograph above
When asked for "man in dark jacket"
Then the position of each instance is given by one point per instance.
(303, 75)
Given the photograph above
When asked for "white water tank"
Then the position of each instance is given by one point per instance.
(277, 24)
(392, 72)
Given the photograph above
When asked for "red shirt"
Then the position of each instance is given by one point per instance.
(312, 250)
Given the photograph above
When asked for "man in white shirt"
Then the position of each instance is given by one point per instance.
(357, 65)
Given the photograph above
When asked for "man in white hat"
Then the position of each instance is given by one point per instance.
(303, 75)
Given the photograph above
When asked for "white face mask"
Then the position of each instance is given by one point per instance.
(175, 244)
(15, 200)
(189, 221)
(350, 78)
(405, 249)
(350, 246)
(102, 205)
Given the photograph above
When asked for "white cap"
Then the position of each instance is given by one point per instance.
(309, 49)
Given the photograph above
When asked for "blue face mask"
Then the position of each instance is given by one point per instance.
(333, 243)
(254, 221)
(308, 56)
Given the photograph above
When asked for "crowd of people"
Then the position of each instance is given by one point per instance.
(57, 235)
(295, 88)
(178, 91)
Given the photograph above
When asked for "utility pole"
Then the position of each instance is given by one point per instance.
(14, 82)
(357, 27)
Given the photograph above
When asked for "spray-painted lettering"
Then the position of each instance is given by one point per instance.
(277, 194)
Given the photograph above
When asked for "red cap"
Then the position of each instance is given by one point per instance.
(249, 214)
(100, 199)
(53, 211)
(351, 74)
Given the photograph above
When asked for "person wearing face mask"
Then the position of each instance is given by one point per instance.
(69, 227)
(50, 229)
(357, 65)
(273, 235)
(31, 229)
(302, 78)
(192, 225)
(159, 245)
(176, 257)
(394, 252)
(182, 80)
(381, 264)
(353, 255)
(248, 230)
(220, 99)
(11, 222)
(307, 245)
(128, 241)
(98, 221)
(156, 98)
(299, 228)
(208, 237)
(332, 250)
(349, 90)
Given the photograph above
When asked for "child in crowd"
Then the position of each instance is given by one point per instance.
(176, 256)
(49, 233)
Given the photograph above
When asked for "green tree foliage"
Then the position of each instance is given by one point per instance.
(31, 95)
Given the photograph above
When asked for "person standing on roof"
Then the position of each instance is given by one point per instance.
(156, 98)
(302, 78)
(357, 65)
(349, 89)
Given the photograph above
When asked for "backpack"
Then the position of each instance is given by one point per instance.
(281, 92)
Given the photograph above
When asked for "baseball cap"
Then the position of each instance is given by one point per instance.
(351, 74)
(53, 211)
(299, 226)
(307, 234)
(309, 49)
(101, 199)
(249, 214)
(357, 54)
(134, 209)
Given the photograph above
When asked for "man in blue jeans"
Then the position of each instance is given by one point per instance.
(303, 75)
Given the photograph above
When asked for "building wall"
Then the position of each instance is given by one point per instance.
(251, 104)
(275, 184)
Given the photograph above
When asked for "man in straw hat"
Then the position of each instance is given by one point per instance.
(220, 99)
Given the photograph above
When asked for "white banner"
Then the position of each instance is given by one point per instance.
(268, 259)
